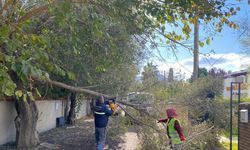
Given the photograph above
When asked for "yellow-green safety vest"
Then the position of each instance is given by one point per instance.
(173, 132)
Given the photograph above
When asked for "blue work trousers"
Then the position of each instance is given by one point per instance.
(100, 136)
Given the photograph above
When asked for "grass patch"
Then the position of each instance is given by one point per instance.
(227, 145)
(227, 134)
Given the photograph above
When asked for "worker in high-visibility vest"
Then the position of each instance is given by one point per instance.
(174, 129)
(102, 112)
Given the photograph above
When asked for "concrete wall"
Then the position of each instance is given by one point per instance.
(7, 126)
(49, 110)
(244, 128)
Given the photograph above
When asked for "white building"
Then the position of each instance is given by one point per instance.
(239, 76)
(49, 110)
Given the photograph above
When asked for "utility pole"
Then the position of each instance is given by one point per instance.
(196, 49)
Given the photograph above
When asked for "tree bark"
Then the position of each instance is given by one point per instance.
(72, 114)
(66, 108)
(81, 90)
(26, 122)
(196, 49)
(26, 119)
(71, 88)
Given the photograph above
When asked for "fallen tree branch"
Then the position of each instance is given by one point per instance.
(83, 90)
(88, 87)
(140, 122)
(34, 12)
(191, 138)
(71, 88)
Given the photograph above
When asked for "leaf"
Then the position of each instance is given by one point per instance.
(208, 41)
(235, 26)
(37, 92)
(25, 68)
(19, 93)
(4, 32)
(59, 71)
(201, 44)
(31, 96)
(75, 50)
(2, 57)
(24, 97)
(9, 88)
(100, 69)
(71, 75)
(16, 67)
(231, 9)
(46, 76)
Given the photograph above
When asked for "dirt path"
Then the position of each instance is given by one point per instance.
(81, 137)
(131, 141)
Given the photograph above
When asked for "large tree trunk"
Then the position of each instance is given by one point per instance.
(26, 122)
(72, 115)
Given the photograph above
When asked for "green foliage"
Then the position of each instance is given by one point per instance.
(78, 44)
(149, 75)
(19, 93)
(7, 86)
(202, 72)
(227, 145)
(99, 51)
(85, 41)
(215, 72)
(152, 140)
(203, 95)
(200, 97)
(207, 140)
(245, 99)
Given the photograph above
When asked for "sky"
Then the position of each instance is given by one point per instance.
(225, 50)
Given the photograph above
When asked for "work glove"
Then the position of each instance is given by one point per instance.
(162, 120)
(182, 138)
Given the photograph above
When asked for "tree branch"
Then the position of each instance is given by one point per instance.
(191, 138)
(5, 7)
(71, 88)
(140, 122)
(34, 12)
(82, 90)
